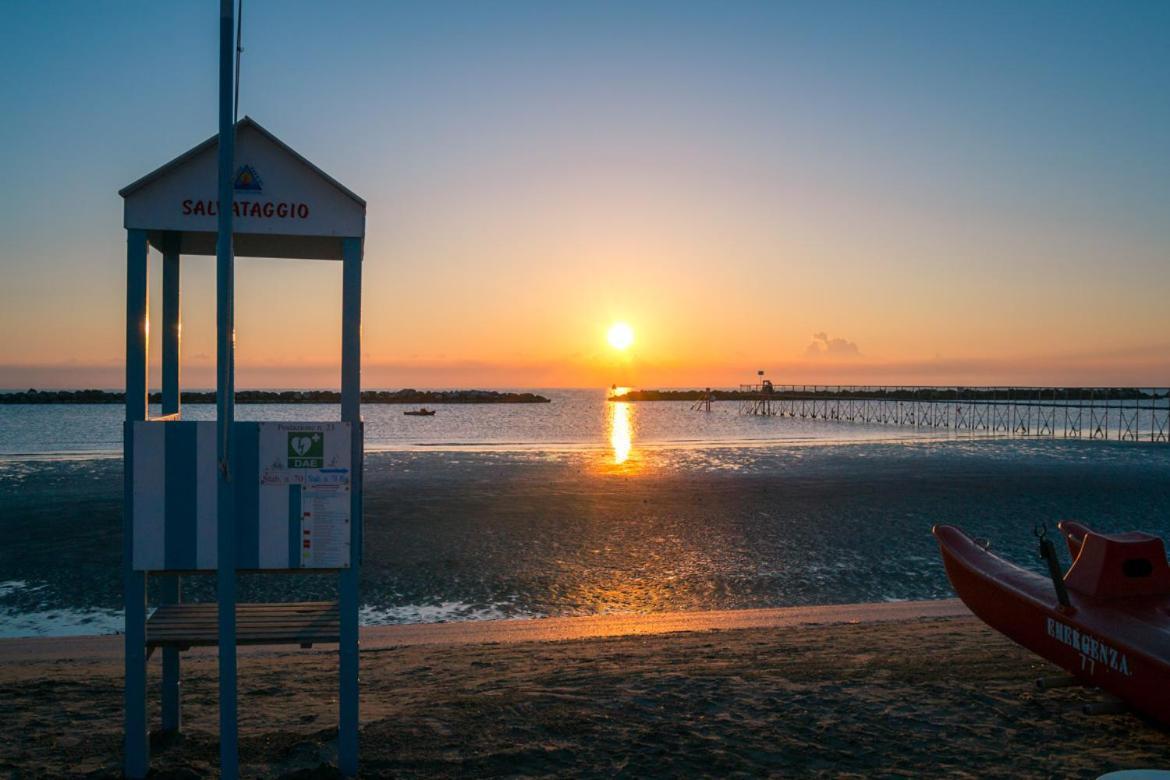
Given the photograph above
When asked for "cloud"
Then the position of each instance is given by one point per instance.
(831, 347)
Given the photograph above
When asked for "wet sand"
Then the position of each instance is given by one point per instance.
(867, 690)
(467, 535)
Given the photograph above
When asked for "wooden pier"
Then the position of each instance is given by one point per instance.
(1102, 413)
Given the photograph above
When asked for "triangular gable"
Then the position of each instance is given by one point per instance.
(284, 205)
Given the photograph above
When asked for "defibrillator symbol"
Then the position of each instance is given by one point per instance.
(306, 450)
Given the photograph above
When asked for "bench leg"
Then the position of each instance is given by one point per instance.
(172, 681)
(137, 745)
(347, 731)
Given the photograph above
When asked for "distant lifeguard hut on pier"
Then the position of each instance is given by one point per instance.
(758, 397)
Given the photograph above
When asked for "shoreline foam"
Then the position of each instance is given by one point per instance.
(541, 629)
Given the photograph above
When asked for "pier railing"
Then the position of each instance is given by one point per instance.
(1105, 413)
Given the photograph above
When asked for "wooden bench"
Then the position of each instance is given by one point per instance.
(303, 623)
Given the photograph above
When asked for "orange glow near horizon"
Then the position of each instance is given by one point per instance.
(692, 330)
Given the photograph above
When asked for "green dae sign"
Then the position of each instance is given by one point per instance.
(306, 450)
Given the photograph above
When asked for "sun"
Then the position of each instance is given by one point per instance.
(620, 335)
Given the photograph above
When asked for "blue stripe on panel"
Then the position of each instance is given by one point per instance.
(180, 534)
(294, 526)
(206, 495)
(149, 486)
(246, 470)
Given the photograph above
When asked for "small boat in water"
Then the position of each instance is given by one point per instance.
(1106, 621)
(424, 412)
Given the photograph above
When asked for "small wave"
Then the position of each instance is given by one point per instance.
(61, 622)
(9, 587)
(26, 457)
(442, 612)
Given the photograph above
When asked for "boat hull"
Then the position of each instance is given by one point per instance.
(1122, 647)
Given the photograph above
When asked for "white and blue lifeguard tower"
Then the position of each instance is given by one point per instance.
(223, 497)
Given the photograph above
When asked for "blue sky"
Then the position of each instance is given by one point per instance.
(967, 191)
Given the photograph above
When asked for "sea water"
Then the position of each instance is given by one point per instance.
(580, 506)
(572, 419)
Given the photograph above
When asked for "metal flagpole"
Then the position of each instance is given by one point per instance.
(225, 400)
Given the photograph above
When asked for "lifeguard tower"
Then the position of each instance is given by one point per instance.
(222, 497)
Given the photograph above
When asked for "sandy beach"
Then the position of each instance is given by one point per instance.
(863, 690)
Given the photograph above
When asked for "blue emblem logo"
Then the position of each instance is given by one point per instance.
(248, 179)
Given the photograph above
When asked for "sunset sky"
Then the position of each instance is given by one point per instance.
(878, 192)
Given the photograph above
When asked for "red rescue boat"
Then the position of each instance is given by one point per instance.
(1114, 632)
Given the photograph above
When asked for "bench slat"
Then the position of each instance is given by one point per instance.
(191, 625)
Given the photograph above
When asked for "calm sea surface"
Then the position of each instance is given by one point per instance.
(585, 507)
(574, 419)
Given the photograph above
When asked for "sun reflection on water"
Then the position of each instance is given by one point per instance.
(621, 429)
(620, 437)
